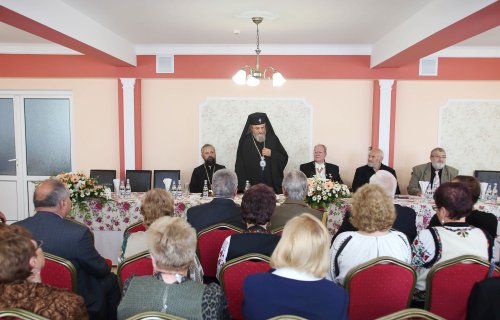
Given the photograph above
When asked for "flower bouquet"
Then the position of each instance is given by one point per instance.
(82, 188)
(321, 193)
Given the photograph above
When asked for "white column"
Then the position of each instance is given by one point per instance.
(384, 125)
(128, 122)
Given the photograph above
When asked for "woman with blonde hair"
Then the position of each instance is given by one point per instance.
(373, 214)
(155, 203)
(297, 286)
(172, 244)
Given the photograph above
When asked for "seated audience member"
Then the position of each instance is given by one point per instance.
(435, 172)
(319, 167)
(295, 190)
(373, 215)
(222, 209)
(405, 216)
(454, 238)
(298, 285)
(74, 242)
(172, 244)
(204, 172)
(363, 174)
(483, 300)
(156, 203)
(479, 219)
(21, 261)
(257, 206)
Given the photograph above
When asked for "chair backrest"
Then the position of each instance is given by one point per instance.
(209, 243)
(104, 177)
(135, 227)
(278, 230)
(488, 176)
(159, 175)
(139, 265)
(15, 313)
(233, 274)
(411, 313)
(59, 272)
(287, 317)
(154, 315)
(140, 180)
(379, 287)
(449, 284)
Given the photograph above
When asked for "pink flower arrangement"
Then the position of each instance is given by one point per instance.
(321, 193)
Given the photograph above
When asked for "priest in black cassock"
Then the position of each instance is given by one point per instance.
(260, 157)
(205, 171)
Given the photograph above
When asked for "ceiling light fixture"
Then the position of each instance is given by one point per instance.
(252, 78)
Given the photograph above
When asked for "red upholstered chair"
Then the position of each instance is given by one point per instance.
(59, 273)
(233, 274)
(139, 265)
(379, 287)
(209, 243)
(449, 284)
(412, 313)
(136, 227)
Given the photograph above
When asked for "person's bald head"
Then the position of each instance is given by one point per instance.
(52, 195)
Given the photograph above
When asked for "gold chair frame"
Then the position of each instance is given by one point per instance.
(232, 262)
(154, 315)
(411, 313)
(20, 314)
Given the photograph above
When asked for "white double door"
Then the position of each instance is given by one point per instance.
(35, 143)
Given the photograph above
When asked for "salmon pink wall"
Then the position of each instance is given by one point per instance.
(170, 121)
(417, 118)
(95, 117)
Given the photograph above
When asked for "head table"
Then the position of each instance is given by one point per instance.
(110, 219)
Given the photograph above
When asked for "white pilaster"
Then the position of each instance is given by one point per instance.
(384, 125)
(128, 122)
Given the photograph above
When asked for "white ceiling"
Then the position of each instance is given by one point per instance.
(162, 25)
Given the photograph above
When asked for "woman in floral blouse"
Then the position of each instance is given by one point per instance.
(453, 239)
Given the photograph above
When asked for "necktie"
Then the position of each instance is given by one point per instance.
(435, 182)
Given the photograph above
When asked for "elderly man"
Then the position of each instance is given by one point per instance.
(74, 242)
(206, 171)
(364, 173)
(405, 216)
(435, 172)
(319, 167)
(295, 191)
(260, 157)
(222, 208)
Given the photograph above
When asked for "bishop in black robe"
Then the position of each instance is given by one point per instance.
(252, 154)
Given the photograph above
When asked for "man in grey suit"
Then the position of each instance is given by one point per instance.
(74, 242)
(428, 172)
(295, 190)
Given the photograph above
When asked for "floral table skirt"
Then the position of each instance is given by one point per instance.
(118, 213)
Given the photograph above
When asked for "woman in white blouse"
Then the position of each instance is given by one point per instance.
(373, 214)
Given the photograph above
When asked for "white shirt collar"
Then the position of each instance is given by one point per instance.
(295, 274)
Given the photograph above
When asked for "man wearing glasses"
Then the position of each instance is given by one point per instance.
(435, 172)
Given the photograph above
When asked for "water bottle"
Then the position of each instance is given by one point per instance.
(494, 194)
(205, 189)
(122, 189)
(487, 194)
(174, 190)
(179, 189)
(429, 192)
(247, 185)
(128, 190)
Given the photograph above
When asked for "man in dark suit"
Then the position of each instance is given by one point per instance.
(204, 172)
(295, 190)
(72, 241)
(222, 208)
(364, 173)
(319, 167)
(405, 216)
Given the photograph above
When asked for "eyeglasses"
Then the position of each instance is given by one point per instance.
(39, 244)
